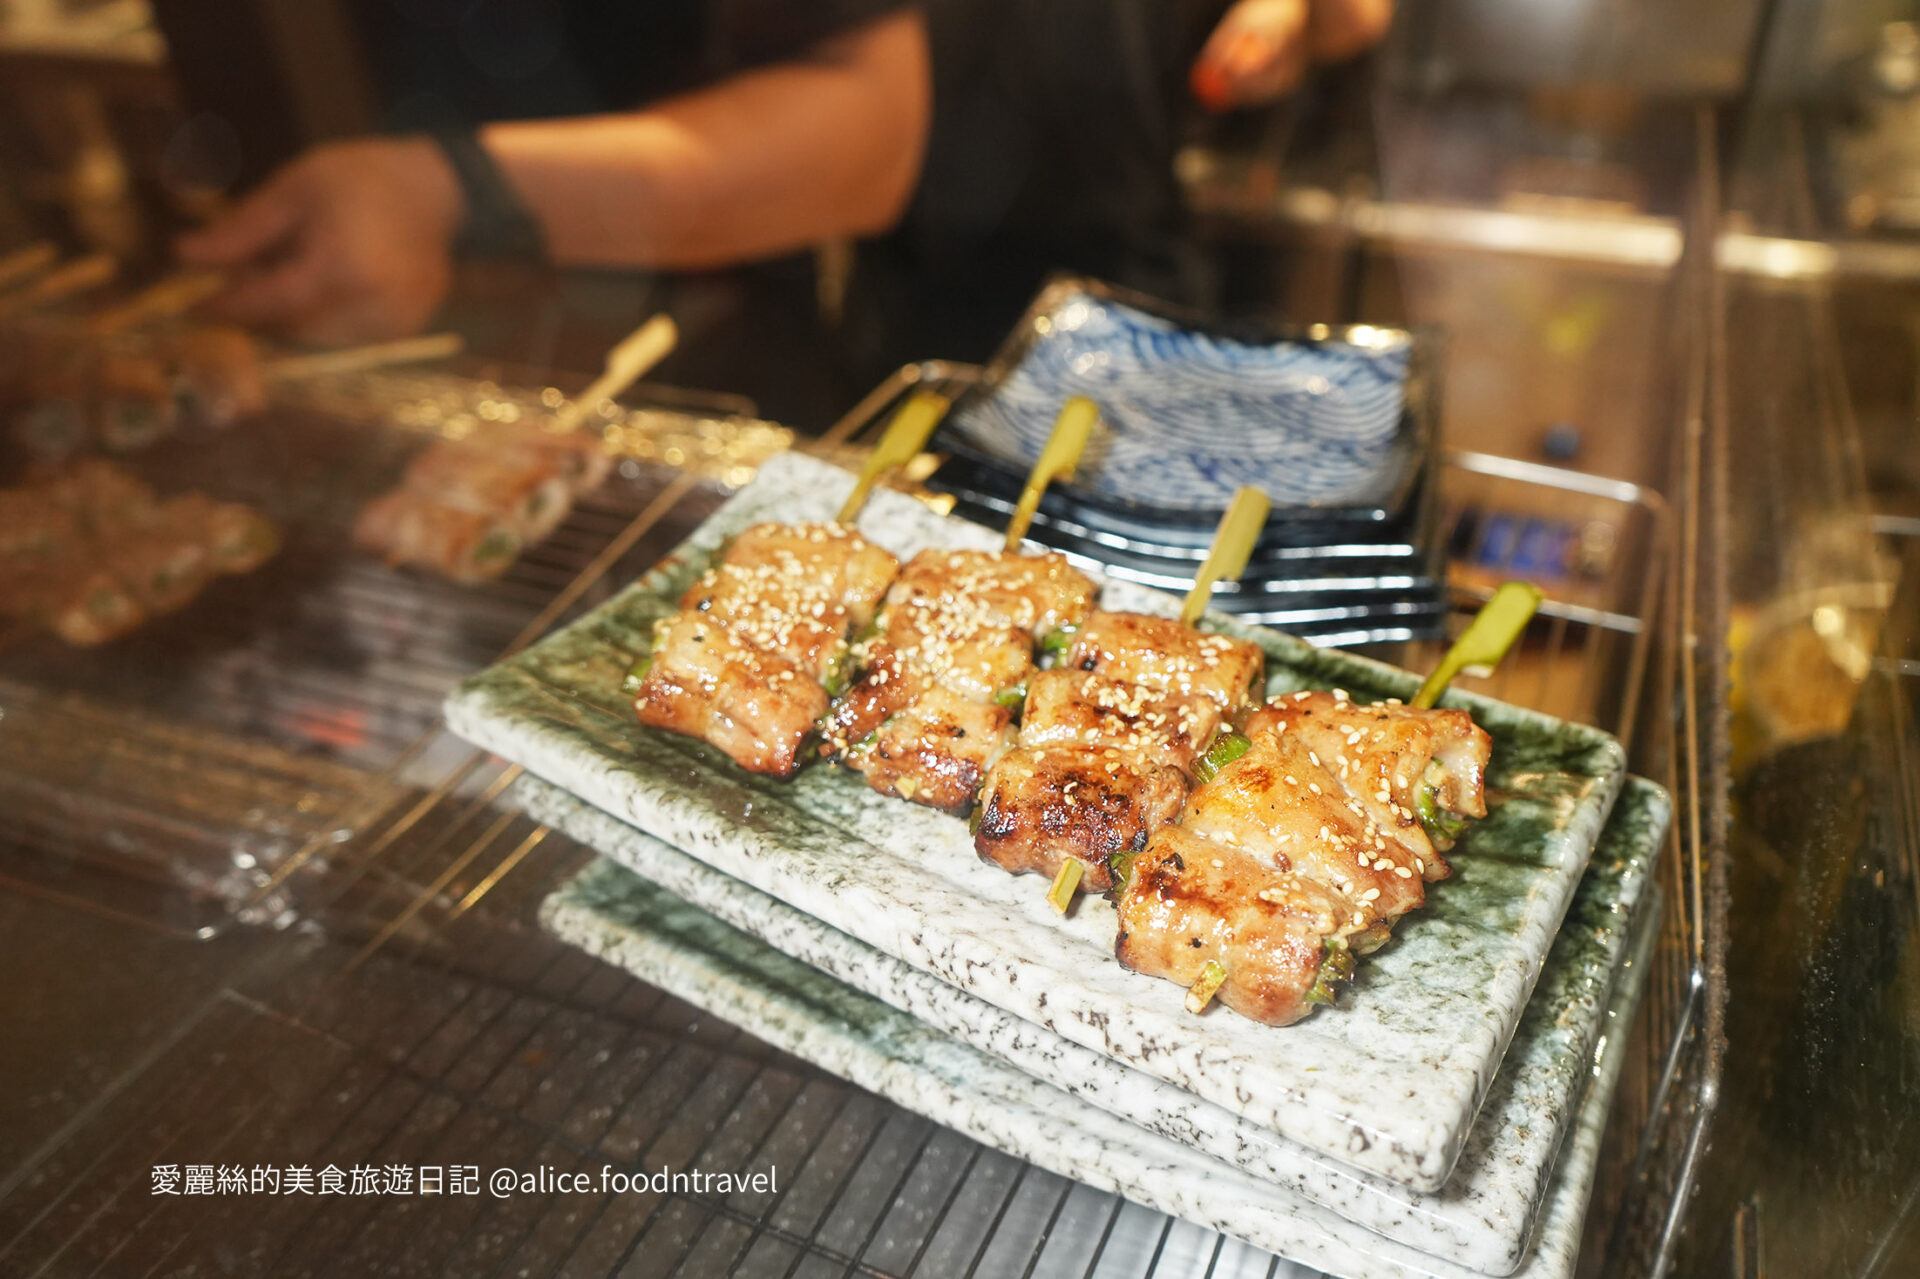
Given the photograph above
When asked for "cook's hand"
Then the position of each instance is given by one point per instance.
(349, 243)
(1261, 49)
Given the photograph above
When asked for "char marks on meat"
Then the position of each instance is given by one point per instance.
(932, 710)
(743, 665)
(1109, 742)
(1302, 852)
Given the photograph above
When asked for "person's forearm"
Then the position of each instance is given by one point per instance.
(768, 161)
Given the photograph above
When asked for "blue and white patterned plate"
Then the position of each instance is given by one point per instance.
(1318, 418)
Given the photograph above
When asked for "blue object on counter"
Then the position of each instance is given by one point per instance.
(1190, 416)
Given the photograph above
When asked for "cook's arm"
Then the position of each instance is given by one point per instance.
(353, 240)
(765, 162)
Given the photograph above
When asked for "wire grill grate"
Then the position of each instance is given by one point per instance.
(433, 1022)
(201, 752)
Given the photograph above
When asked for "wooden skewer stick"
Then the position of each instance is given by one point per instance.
(1238, 531)
(22, 265)
(902, 442)
(1201, 993)
(1071, 431)
(1060, 894)
(1232, 547)
(351, 359)
(1486, 640)
(161, 300)
(62, 282)
(1478, 650)
(629, 361)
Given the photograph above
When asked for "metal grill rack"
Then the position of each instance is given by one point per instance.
(1668, 1094)
(435, 1018)
(485, 1042)
(281, 709)
(429, 1019)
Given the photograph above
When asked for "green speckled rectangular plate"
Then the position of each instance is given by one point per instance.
(1490, 1208)
(639, 926)
(1389, 1082)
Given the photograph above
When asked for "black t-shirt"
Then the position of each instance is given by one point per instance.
(1055, 124)
(443, 62)
(1055, 129)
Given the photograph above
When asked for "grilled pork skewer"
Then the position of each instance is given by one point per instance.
(932, 711)
(467, 508)
(129, 383)
(128, 389)
(1299, 854)
(747, 661)
(1284, 868)
(92, 552)
(1111, 740)
(941, 681)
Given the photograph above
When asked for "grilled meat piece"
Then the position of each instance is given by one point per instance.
(1043, 805)
(91, 552)
(1152, 696)
(710, 682)
(101, 494)
(578, 457)
(743, 664)
(526, 492)
(1297, 815)
(798, 590)
(35, 523)
(1426, 763)
(935, 750)
(467, 546)
(932, 711)
(93, 609)
(1088, 708)
(133, 399)
(238, 538)
(1160, 654)
(1034, 593)
(467, 508)
(1300, 853)
(218, 376)
(164, 568)
(1277, 937)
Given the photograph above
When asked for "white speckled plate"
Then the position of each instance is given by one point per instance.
(1389, 1082)
(1484, 1217)
(630, 922)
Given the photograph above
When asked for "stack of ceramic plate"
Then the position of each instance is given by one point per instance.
(1442, 1121)
(1333, 423)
